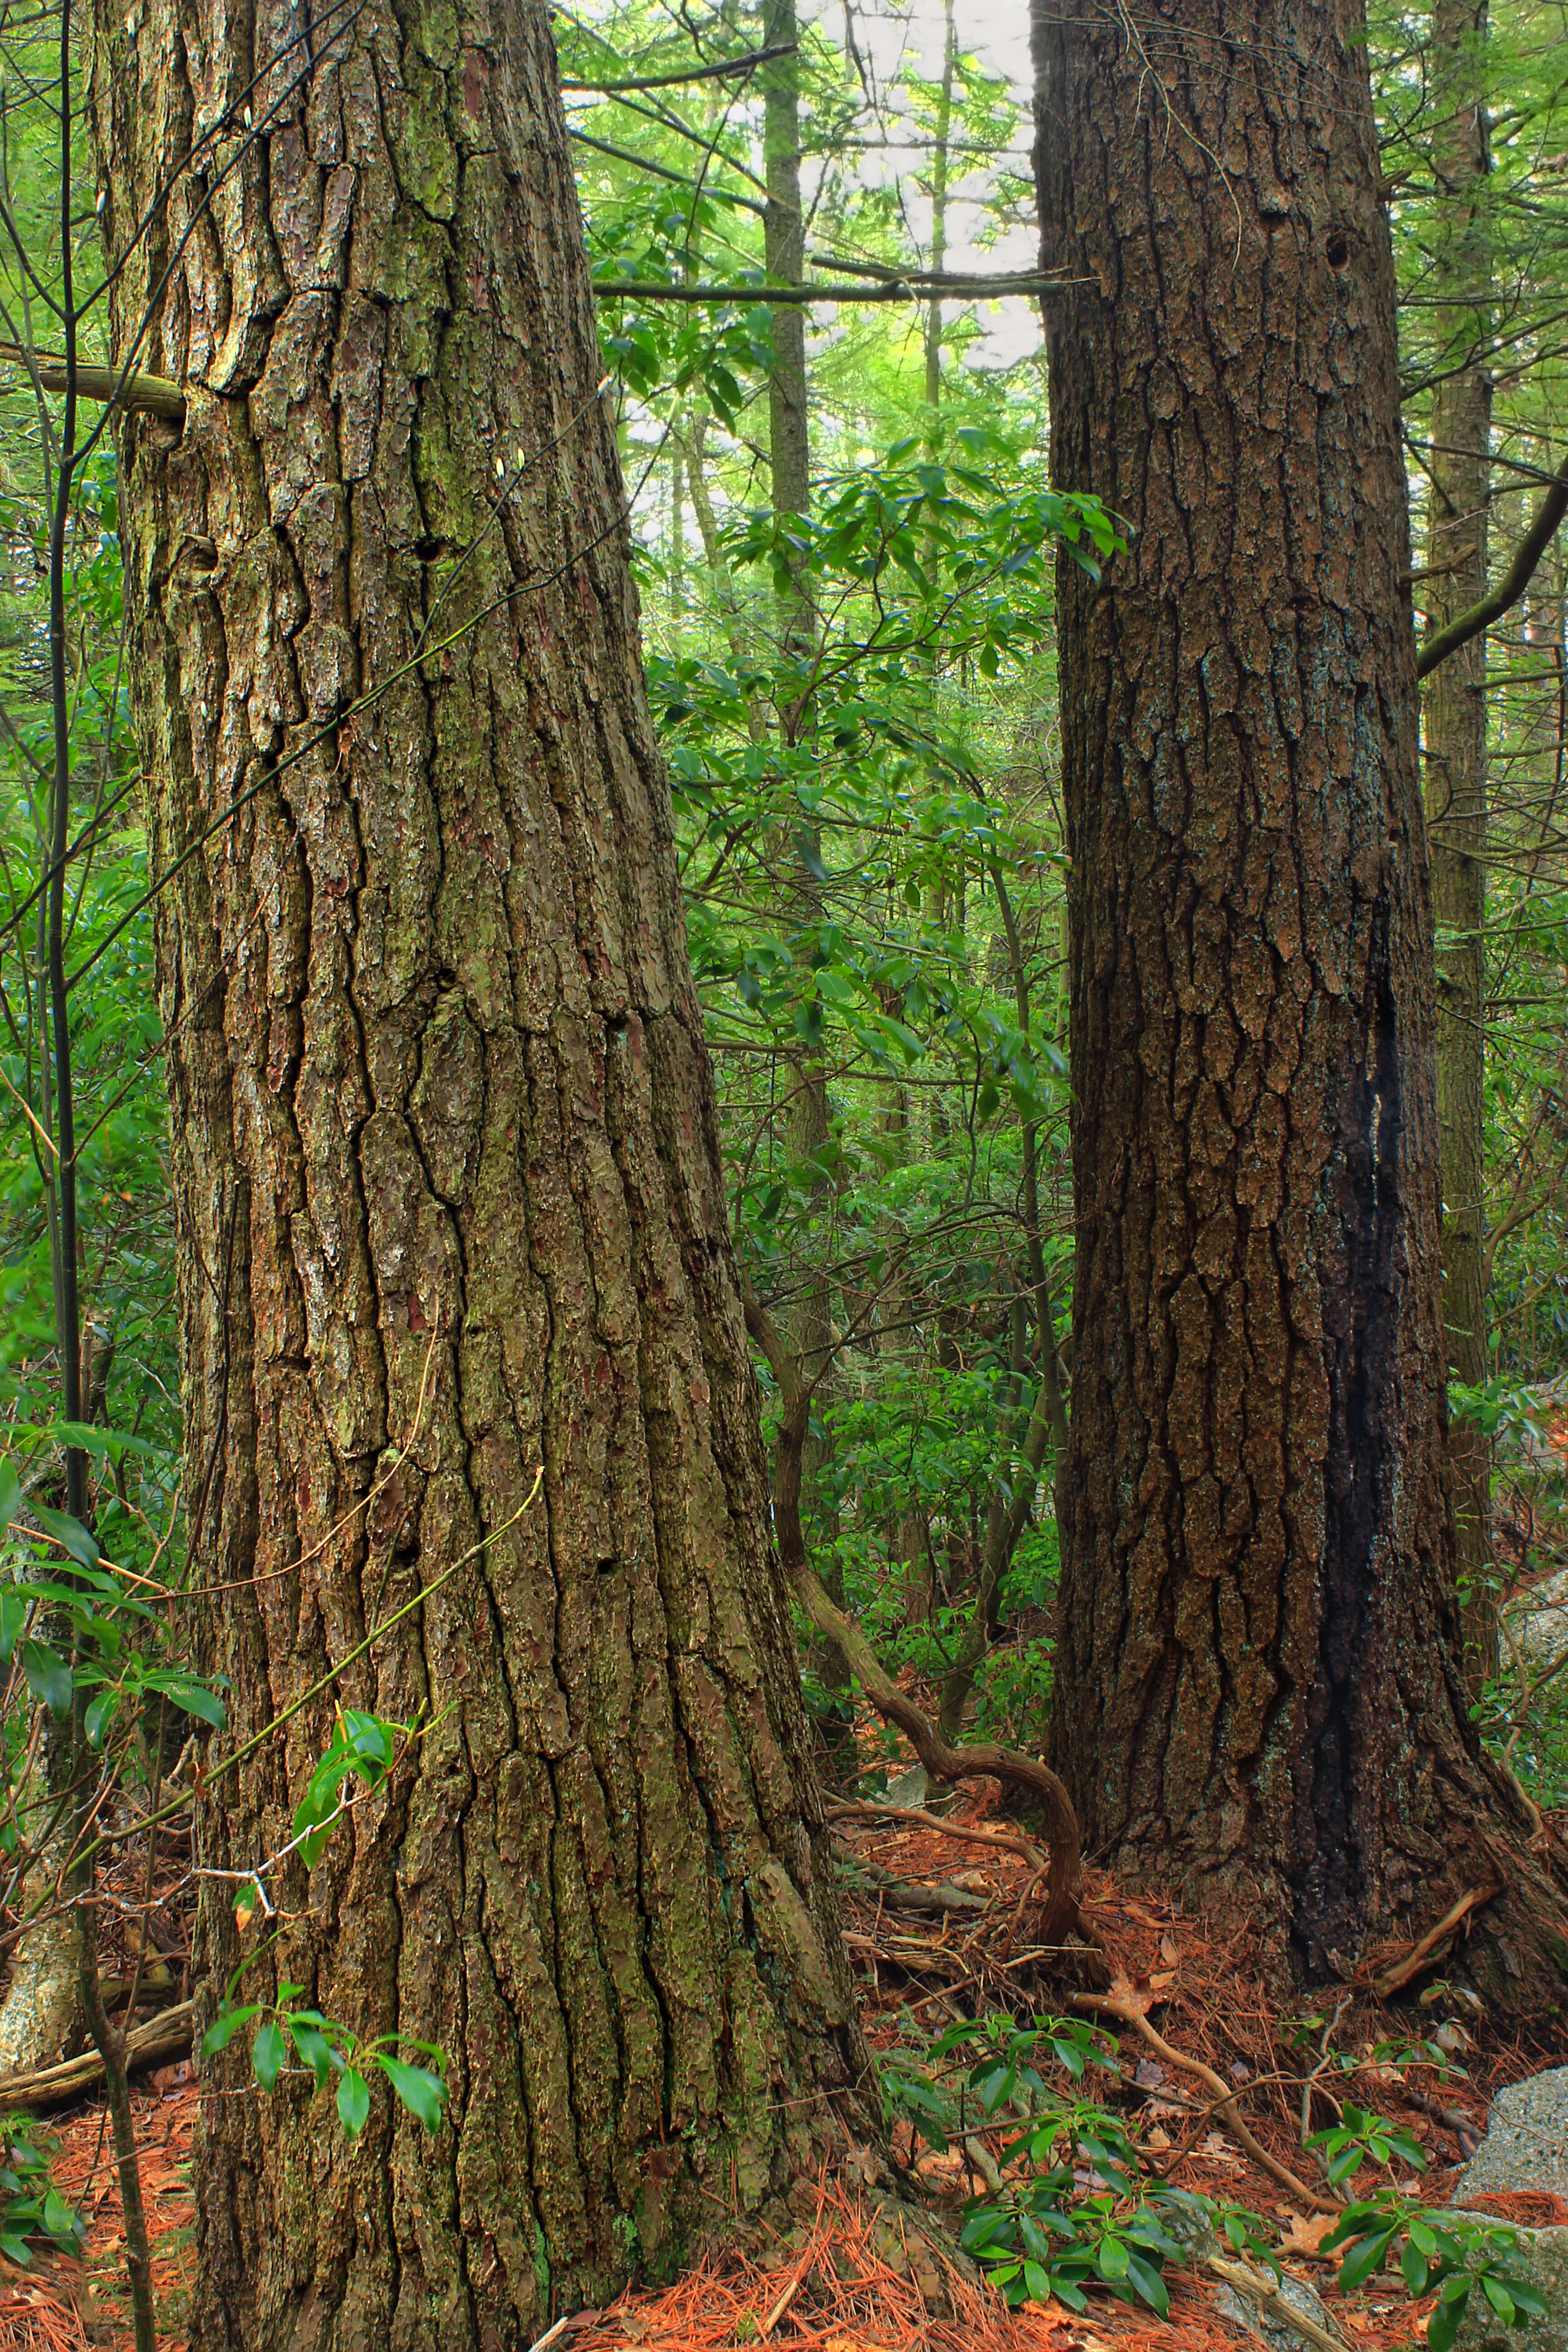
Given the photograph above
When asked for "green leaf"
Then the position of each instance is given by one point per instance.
(354, 2104)
(810, 856)
(10, 1495)
(48, 1677)
(1149, 2285)
(422, 2093)
(14, 1607)
(15, 2250)
(1037, 2282)
(1364, 2258)
(268, 2053)
(1497, 2296)
(224, 2026)
(196, 1699)
(835, 987)
(99, 1717)
(312, 2048)
(1112, 2258)
(70, 1532)
(90, 1439)
(59, 2220)
(1443, 2325)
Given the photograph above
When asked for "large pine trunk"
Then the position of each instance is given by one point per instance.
(1260, 1690)
(449, 1209)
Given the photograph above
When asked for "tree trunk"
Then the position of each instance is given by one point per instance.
(446, 1158)
(809, 1123)
(1258, 1688)
(1455, 726)
(933, 319)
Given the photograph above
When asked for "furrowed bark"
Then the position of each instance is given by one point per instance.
(443, 1128)
(1259, 1691)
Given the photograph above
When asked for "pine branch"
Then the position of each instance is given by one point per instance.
(916, 286)
(695, 73)
(154, 393)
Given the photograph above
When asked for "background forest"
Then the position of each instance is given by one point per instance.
(818, 312)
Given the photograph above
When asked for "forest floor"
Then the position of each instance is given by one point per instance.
(841, 2273)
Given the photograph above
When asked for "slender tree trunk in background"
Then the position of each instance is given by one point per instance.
(784, 244)
(809, 1318)
(733, 618)
(1454, 713)
(677, 545)
(939, 227)
(443, 1124)
(1259, 1691)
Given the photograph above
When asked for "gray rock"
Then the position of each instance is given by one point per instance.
(910, 1787)
(1541, 2259)
(1526, 2144)
(1185, 2220)
(1271, 2327)
(1539, 1623)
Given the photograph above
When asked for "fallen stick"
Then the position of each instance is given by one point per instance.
(1127, 2012)
(793, 2286)
(911, 1953)
(165, 2036)
(1258, 2288)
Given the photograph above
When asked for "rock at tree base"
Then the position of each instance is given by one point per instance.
(1526, 2144)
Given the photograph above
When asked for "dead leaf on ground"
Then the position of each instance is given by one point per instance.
(1170, 1951)
(1307, 2232)
(1123, 1989)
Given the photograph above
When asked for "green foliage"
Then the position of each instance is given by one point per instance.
(106, 1637)
(327, 2049)
(31, 2206)
(1452, 2254)
(364, 1748)
(1075, 2215)
(1363, 2138)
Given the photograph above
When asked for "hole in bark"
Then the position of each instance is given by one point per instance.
(1339, 250)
